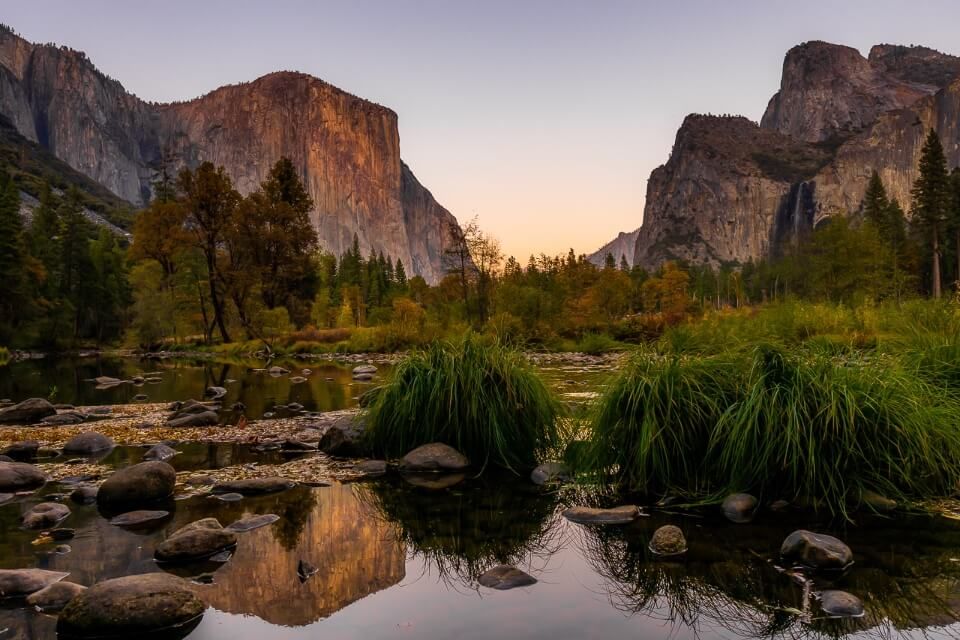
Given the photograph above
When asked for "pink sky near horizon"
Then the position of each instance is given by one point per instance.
(542, 119)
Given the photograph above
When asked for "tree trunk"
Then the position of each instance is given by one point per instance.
(215, 295)
(936, 290)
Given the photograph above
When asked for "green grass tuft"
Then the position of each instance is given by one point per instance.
(485, 400)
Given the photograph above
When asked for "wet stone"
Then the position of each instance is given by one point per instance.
(45, 515)
(160, 452)
(29, 411)
(229, 497)
(739, 507)
(252, 522)
(64, 419)
(84, 494)
(668, 540)
(88, 442)
(372, 467)
(503, 577)
(204, 418)
(22, 450)
(254, 486)
(434, 457)
(130, 606)
(16, 583)
(138, 518)
(196, 544)
(588, 515)
(55, 597)
(840, 604)
(816, 550)
(138, 484)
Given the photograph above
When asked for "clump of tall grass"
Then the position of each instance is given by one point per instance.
(828, 429)
(779, 424)
(484, 399)
(651, 428)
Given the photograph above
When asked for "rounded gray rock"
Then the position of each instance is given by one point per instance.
(138, 484)
(739, 507)
(130, 606)
(88, 442)
(816, 550)
(55, 597)
(45, 515)
(503, 577)
(434, 457)
(840, 604)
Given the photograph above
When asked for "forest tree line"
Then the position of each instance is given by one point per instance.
(208, 264)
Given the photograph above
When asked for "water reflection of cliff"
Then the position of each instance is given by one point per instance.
(355, 552)
(905, 574)
(462, 532)
(356, 555)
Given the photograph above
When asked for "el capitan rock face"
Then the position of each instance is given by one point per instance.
(734, 191)
(347, 149)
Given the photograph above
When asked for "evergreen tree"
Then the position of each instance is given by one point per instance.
(609, 262)
(875, 204)
(400, 275)
(12, 257)
(75, 267)
(931, 196)
(954, 220)
(624, 265)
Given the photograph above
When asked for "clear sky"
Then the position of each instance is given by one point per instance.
(542, 118)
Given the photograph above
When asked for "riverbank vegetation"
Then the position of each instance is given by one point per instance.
(485, 400)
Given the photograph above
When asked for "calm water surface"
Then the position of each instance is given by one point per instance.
(399, 561)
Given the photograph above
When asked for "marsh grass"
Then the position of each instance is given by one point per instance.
(792, 424)
(484, 399)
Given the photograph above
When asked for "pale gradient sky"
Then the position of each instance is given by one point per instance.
(542, 118)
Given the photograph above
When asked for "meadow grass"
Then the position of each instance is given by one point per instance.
(483, 399)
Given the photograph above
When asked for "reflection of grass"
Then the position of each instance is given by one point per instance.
(723, 583)
(464, 532)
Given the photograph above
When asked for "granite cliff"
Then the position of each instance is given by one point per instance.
(347, 148)
(733, 190)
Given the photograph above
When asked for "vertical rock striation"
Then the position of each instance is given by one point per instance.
(347, 148)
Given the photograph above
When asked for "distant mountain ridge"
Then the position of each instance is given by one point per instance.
(733, 190)
(347, 149)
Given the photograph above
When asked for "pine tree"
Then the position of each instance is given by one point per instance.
(624, 265)
(400, 275)
(930, 195)
(44, 230)
(12, 256)
(875, 204)
(609, 262)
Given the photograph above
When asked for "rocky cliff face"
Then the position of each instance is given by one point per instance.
(347, 149)
(733, 191)
(622, 246)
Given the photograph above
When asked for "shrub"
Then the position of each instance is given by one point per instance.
(485, 400)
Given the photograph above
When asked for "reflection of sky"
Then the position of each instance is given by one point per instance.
(543, 117)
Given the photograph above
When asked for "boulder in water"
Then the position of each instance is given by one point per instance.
(18, 583)
(45, 515)
(204, 418)
(23, 450)
(617, 515)
(816, 550)
(138, 484)
(344, 437)
(159, 452)
(195, 544)
(434, 457)
(55, 597)
(87, 443)
(503, 577)
(739, 507)
(254, 486)
(29, 411)
(668, 540)
(252, 522)
(20, 476)
(840, 604)
(131, 606)
(139, 518)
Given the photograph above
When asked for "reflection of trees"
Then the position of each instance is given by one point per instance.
(728, 581)
(464, 531)
(294, 512)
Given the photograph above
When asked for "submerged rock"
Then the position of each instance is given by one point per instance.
(55, 597)
(20, 476)
(215, 393)
(434, 457)
(816, 550)
(433, 481)
(160, 452)
(195, 544)
(29, 411)
(873, 501)
(668, 540)
(138, 518)
(588, 515)
(252, 522)
(551, 473)
(84, 494)
(45, 515)
(88, 442)
(22, 450)
(229, 497)
(840, 604)
(739, 507)
(503, 577)
(17, 583)
(364, 369)
(141, 483)
(372, 468)
(203, 523)
(254, 486)
(64, 419)
(205, 418)
(130, 606)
